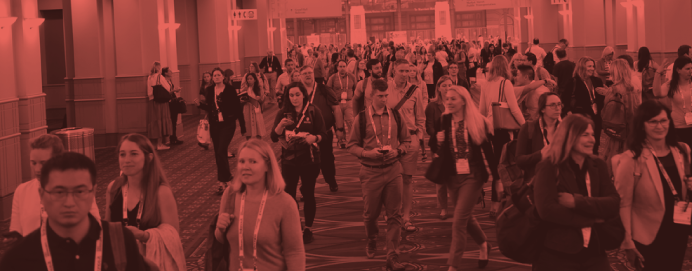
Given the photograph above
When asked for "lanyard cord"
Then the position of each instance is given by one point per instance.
(543, 128)
(454, 138)
(374, 129)
(139, 211)
(98, 257)
(664, 172)
(341, 84)
(241, 238)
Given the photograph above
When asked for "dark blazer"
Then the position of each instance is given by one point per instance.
(438, 72)
(229, 104)
(300, 57)
(475, 162)
(461, 79)
(276, 65)
(433, 123)
(529, 146)
(562, 225)
(576, 99)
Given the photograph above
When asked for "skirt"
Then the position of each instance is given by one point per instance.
(254, 121)
(159, 124)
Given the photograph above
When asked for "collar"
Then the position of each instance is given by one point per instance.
(576, 168)
(374, 113)
(92, 235)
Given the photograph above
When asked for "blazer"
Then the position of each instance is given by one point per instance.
(276, 65)
(642, 203)
(577, 100)
(529, 146)
(476, 162)
(561, 225)
(229, 104)
(433, 122)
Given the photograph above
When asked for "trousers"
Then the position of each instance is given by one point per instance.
(382, 186)
(327, 158)
(308, 175)
(221, 135)
(464, 190)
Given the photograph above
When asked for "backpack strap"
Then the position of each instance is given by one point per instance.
(117, 237)
(397, 119)
(363, 125)
(408, 95)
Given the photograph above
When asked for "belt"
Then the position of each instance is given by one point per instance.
(379, 166)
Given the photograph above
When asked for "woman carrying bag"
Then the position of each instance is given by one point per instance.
(463, 143)
(651, 179)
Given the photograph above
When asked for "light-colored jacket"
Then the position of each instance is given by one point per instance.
(642, 203)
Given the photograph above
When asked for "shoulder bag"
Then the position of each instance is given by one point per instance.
(502, 116)
(217, 256)
(161, 95)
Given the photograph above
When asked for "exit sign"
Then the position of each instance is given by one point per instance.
(557, 2)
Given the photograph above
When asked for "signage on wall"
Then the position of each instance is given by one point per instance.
(398, 37)
(313, 8)
(469, 5)
(244, 14)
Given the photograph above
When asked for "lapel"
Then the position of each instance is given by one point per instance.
(567, 178)
(654, 176)
(593, 174)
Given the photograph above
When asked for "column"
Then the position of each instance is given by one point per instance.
(214, 34)
(443, 26)
(253, 33)
(588, 21)
(188, 52)
(664, 22)
(11, 160)
(357, 26)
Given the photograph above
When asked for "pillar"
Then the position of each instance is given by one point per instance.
(188, 52)
(443, 26)
(11, 160)
(589, 28)
(214, 29)
(254, 33)
(544, 23)
(663, 23)
(357, 26)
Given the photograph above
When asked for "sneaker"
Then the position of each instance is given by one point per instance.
(334, 187)
(163, 148)
(222, 187)
(307, 236)
(394, 264)
(371, 248)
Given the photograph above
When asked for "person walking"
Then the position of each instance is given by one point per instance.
(251, 98)
(343, 84)
(271, 67)
(433, 121)
(678, 92)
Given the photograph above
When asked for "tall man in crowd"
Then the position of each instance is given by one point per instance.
(285, 78)
(379, 146)
(271, 66)
(410, 106)
(325, 99)
(343, 84)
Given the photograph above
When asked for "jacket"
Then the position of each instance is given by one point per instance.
(438, 72)
(433, 122)
(529, 146)
(642, 203)
(576, 99)
(229, 104)
(276, 65)
(562, 226)
(476, 162)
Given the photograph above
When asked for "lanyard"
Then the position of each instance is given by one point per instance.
(682, 94)
(587, 179)
(664, 172)
(545, 131)
(341, 84)
(454, 138)
(256, 231)
(139, 211)
(314, 89)
(591, 91)
(374, 129)
(98, 258)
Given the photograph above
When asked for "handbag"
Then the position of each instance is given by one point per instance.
(519, 234)
(161, 95)
(178, 105)
(217, 256)
(502, 116)
(611, 233)
(440, 169)
(203, 136)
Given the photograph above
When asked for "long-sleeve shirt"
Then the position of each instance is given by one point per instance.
(382, 123)
(349, 84)
(490, 92)
(283, 81)
(413, 110)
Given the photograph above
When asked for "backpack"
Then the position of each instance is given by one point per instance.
(549, 62)
(217, 256)
(509, 171)
(615, 117)
(360, 102)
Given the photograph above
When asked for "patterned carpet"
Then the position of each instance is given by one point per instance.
(339, 232)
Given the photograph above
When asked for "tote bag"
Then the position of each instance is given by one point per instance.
(502, 116)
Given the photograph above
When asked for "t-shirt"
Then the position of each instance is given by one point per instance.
(539, 52)
(563, 70)
(441, 57)
(682, 104)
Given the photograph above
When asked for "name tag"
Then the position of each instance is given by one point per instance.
(595, 109)
(269, 69)
(344, 95)
(220, 117)
(463, 166)
(586, 232)
(682, 213)
(688, 118)
(291, 134)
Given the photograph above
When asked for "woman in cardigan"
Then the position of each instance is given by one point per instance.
(433, 115)
(574, 194)
(624, 91)
(535, 137)
(175, 93)
(251, 97)
(604, 64)
(160, 126)
(648, 201)
(463, 137)
(261, 209)
(431, 71)
(299, 126)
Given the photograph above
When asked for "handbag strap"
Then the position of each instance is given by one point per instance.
(158, 79)
(117, 237)
(502, 91)
(230, 207)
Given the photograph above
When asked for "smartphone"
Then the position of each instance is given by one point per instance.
(288, 116)
(382, 151)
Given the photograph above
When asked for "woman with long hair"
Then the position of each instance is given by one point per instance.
(622, 90)
(574, 196)
(651, 179)
(261, 79)
(206, 82)
(431, 70)
(175, 92)
(433, 115)
(464, 140)
(604, 64)
(224, 109)
(159, 126)
(261, 209)
(586, 96)
(361, 70)
(142, 199)
(251, 97)
(679, 93)
(299, 126)
(647, 67)
(499, 78)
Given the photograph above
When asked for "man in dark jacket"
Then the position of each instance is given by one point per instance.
(271, 67)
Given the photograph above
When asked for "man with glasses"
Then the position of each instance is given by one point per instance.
(529, 99)
(325, 99)
(69, 238)
(26, 203)
(410, 106)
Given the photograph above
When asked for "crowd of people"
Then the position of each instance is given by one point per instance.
(481, 109)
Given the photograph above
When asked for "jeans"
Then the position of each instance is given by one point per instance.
(441, 190)
(382, 186)
(308, 175)
(327, 158)
(271, 79)
(222, 135)
(465, 191)
(347, 112)
(499, 140)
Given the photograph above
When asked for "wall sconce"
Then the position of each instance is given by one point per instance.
(31, 23)
(7, 22)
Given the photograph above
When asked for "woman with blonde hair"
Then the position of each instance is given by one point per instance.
(499, 82)
(586, 96)
(604, 64)
(159, 125)
(622, 90)
(142, 199)
(574, 196)
(261, 208)
(464, 141)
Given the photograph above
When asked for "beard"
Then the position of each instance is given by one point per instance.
(376, 75)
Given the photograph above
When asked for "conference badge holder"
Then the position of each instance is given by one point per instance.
(344, 97)
(688, 118)
(220, 117)
(682, 213)
(463, 166)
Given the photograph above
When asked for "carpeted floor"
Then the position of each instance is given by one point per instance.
(339, 232)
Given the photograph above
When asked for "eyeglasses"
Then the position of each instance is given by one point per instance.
(61, 194)
(654, 123)
(554, 105)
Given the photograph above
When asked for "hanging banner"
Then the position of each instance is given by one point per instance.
(471, 5)
(313, 8)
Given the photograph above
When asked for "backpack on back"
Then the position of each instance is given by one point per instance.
(615, 117)
(549, 62)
